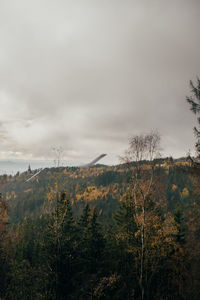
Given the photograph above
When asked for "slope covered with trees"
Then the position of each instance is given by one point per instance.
(124, 232)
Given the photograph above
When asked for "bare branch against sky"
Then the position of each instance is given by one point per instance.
(86, 75)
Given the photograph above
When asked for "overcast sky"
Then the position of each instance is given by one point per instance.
(87, 75)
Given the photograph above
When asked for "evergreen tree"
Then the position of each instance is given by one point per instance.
(96, 243)
(29, 168)
(61, 247)
(194, 102)
(4, 265)
(179, 223)
(127, 243)
(84, 240)
(67, 249)
(84, 219)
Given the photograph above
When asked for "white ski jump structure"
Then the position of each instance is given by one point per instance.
(34, 175)
(92, 163)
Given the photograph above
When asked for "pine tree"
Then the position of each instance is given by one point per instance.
(29, 168)
(67, 248)
(126, 242)
(3, 262)
(96, 243)
(60, 250)
(84, 219)
(124, 220)
(83, 226)
(194, 102)
(179, 223)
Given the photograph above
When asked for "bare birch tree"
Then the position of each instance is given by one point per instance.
(142, 147)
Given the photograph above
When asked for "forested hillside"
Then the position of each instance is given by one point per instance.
(100, 186)
(124, 232)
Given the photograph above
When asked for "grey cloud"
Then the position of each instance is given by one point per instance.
(88, 74)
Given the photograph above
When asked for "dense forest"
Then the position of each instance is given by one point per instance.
(129, 231)
(122, 232)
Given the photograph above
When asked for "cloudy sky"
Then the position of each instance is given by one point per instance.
(86, 75)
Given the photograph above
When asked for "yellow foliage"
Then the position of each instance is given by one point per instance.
(174, 187)
(93, 193)
(28, 191)
(165, 165)
(90, 188)
(137, 233)
(185, 193)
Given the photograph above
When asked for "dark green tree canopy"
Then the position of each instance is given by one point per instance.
(194, 101)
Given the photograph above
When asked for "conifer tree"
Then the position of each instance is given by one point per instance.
(96, 243)
(194, 101)
(3, 262)
(29, 168)
(84, 219)
(84, 238)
